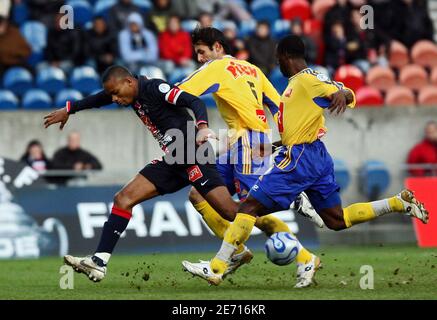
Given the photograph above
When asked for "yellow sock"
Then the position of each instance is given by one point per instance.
(271, 224)
(214, 220)
(358, 213)
(237, 234)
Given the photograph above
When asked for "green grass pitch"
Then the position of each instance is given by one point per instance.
(400, 272)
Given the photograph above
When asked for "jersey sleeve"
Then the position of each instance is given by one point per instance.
(271, 97)
(320, 87)
(202, 81)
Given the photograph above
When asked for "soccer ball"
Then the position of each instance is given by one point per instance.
(281, 248)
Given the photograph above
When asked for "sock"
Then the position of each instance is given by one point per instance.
(214, 220)
(271, 224)
(112, 229)
(358, 213)
(237, 234)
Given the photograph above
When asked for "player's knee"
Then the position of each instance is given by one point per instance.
(122, 200)
(194, 196)
(335, 221)
(250, 206)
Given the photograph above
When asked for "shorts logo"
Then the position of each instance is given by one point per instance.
(261, 115)
(237, 186)
(194, 173)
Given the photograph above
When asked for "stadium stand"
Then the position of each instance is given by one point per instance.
(374, 179)
(67, 95)
(36, 99)
(368, 96)
(85, 79)
(342, 175)
(51, 80)
(400, 96)
(18, 80)
(8, 101)
(351, 76)
(413, 76)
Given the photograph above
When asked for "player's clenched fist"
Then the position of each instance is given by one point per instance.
(204, 134)
(60, 115)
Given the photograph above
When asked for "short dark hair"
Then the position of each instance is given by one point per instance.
(208, 36)
(117, 72)
(291, 46)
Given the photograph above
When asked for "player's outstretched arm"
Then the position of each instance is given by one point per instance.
(339, 101)
(61, 115)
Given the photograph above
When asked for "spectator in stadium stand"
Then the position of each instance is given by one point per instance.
(35, 157)
(335, 54)
(412, 22)
(44, 10)
(14, 50)
(358, 44)
(236, 45)
(137, 45)
(175, 47)
(119, 13)
(339, 12)
(186, 9)
(296, 28)
(383, 23)
(425, 153)
(101, 44)
(224, 9)
(64, 46)
(205, 19)
(262, 47)
(73, 157)
(160, 13)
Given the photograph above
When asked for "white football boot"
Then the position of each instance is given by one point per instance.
(203, 270)
(87, 266)
(307, 271)
(304, 207)
(412, 207)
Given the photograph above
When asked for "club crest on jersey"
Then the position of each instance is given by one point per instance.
(261, 115)
(194, 173)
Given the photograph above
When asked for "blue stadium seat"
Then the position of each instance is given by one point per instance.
(247, 28)
(342, 175)
(83, 11)
(85, 79)
(144, 5)
(265, 10)
(102, 7)
(18, 80)
(208, 100)
(20, 13)
(152, 72)
(8, 100)
(177, 75)
(35, 34)
(189, 25)
(280, 28)
(67, 95)
(278, 80)
(36, 99)
(374, 179)
(51, 80)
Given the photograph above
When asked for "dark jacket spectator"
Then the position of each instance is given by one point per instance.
(160, 14)
(236, 46)
(35, 157)
(175, 43)
(101, 44)
(44, 10)
(412, 22)
(63, 44)
(335, 54)
(119, 12)
(73, 157)
(425, 153)
(310, 45)
(14, 50)
(340, 12)
(262, 47)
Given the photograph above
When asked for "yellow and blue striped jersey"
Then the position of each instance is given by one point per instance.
(240, 90)
(300, 118)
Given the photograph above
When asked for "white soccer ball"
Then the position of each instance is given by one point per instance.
(281, 248)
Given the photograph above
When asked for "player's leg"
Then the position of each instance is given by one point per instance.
(134, 192)
(338, 218)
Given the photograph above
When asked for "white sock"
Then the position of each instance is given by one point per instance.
(226, 251)
(104, 256)
(381, 207)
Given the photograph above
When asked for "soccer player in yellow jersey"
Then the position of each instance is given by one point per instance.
(241, 90)
(304, 164)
